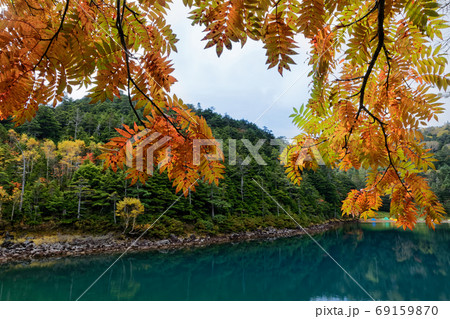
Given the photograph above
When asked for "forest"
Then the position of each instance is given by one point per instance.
(51, 177)
(372, 65)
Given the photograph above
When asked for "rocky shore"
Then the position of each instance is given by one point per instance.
(13, 250)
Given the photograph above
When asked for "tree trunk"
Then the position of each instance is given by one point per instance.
(76, 129)
(79, 203)
(23, 181)
(242, 187)
(127, 218)
(190, 197)
(126, 225)
(77, 122)
(262, 200)
(212, 204)
(114, 206)
(47, 169)
(12, 212)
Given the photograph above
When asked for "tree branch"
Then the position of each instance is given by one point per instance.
(389, 154)
(360, 19)
(55, 35)
(134, 14)
(380, 34)
(372, 62)
(119, 22)
(347, 80)
(386, 53)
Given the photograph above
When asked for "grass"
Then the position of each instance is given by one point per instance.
(40, 238)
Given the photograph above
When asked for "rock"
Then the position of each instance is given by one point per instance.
(77, 242)
(173, 238)
(29, 244)
(163, 242)
(8, 237)
(17, 246)
(7, 244)
(234, 236)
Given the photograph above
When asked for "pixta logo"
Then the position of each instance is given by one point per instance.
(144, 149)
(141, 149)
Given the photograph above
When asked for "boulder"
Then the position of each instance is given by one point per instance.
(7, 244)
(163, 242)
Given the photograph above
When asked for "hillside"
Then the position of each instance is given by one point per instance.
(438, 139)
(66, 186)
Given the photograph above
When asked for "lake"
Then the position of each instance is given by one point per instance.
(391, 264)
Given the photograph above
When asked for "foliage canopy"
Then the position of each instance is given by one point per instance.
(373, 63)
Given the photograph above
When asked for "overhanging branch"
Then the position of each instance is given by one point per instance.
(55, 36)
(119, 25)
(379, 6)
(360, 19)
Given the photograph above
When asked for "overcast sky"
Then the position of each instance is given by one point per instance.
(238, 83)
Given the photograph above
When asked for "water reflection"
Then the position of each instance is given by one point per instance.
(390, 264)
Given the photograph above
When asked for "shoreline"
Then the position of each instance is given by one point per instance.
(381, 220)
(29, 251)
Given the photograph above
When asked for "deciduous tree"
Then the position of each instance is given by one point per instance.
(49, 149)
(129, 209)
(29, 153)
(71, 155)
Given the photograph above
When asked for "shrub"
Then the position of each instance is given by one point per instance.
(206, 227)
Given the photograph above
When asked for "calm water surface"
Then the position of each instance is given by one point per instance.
(390, 264)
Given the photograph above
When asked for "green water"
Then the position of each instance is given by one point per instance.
(390, 264)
